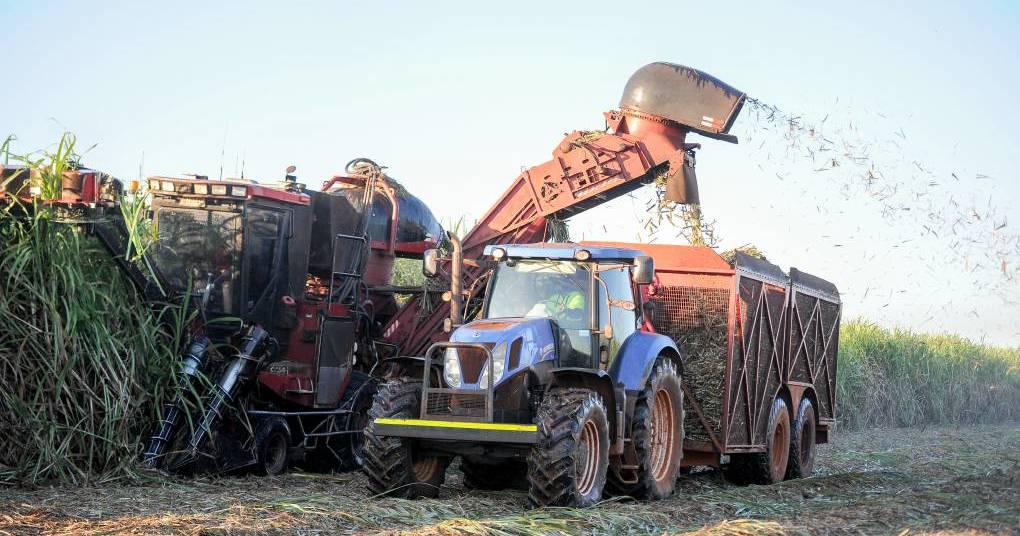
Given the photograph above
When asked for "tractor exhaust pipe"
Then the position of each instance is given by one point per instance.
(456, 290)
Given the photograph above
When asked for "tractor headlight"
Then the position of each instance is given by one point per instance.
(451, 368)
(219, 189)
(498, 366)
(168, 186)
(239, 191)
(201, 189)
(153, 186)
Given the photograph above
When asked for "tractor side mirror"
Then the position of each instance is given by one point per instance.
(430, 263)
(643, 270)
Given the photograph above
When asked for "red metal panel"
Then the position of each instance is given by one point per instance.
(677, 258)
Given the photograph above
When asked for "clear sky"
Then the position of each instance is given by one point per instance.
(456, 97)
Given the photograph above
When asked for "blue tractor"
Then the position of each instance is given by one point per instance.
(559, 381)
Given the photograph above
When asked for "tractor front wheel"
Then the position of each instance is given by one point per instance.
(658, 435)
(392, 465)
(766, 467)
(568, 465)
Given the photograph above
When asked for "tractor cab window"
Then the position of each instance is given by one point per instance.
(559, 290)
(200, 251)
(262, 262)
(619, 309)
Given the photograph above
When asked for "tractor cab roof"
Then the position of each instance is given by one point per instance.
(565, 251)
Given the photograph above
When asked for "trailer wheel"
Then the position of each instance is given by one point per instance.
(493, 476)
(766, 467)
(392, 464)
(658, 435)
(802, 442)
(568, 465)
(272, 446)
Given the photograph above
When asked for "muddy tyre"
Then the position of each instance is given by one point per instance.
(658, 435)
(272, 446)
(568, 465)
(766, 467)
(392, 465)
(802, 441)
(494, 476)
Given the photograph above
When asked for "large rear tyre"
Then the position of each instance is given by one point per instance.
(392, 465)
(802, 442)
(766, 467)
(658, 435)
(568, 465)
(494, 476)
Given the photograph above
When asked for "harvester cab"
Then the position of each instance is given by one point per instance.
(233, 244)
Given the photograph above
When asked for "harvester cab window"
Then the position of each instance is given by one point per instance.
(201, 248)
(262, 243)
(559, 290)
(618, 309)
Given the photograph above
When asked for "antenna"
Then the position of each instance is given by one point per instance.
(244, 154)
(223, 150)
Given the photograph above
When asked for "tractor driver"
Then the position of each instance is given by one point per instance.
(561, 299)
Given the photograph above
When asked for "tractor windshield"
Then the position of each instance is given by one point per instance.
(554, 289)
(201, 248)
(558, 290)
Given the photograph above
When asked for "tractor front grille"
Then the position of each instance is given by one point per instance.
(459, 404)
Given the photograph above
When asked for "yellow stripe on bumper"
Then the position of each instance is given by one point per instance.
(471, 432)
(460, 424)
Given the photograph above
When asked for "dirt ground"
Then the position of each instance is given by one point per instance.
(912, 481)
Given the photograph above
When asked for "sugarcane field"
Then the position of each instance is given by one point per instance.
(510, 269)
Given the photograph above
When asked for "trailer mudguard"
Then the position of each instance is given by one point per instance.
(634, 361)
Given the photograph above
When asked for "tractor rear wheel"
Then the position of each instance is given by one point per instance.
(802, 442)
(658, 435)
(392, 464)
(766, 467)
(568, 465)
(493, 476)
